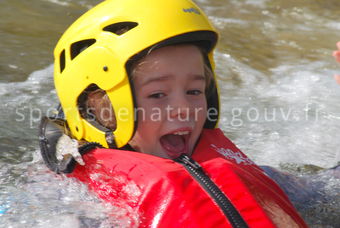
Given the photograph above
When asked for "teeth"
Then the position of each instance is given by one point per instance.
(181, 133)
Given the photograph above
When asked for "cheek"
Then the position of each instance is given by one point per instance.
(145, 138)
(201, 111)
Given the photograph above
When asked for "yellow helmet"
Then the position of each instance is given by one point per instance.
(97, 50)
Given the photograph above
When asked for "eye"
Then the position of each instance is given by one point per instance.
(156, 95)
(194, 92)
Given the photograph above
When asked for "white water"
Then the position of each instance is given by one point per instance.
(292, 117)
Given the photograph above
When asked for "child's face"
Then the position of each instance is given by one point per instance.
(169, 87)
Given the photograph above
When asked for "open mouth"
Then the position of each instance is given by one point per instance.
(175, 143)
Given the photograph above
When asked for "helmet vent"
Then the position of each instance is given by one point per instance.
(80, 46)
(62, 61)
(121, 27)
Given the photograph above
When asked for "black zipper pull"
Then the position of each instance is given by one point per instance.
(186, 160)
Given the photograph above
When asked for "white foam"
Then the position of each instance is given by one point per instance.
(290, 117)
(60, 2)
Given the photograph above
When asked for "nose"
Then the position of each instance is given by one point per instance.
(180, 107)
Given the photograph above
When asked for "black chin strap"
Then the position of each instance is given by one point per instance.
(50, 131)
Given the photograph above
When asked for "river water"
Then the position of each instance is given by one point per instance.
(280, 103)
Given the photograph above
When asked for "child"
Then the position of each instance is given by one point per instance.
(336, 54)
(170, 89)
(137, 76)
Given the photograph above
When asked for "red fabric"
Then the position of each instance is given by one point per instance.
(163, 193)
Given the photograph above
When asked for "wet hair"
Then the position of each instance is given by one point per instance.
(95, 106)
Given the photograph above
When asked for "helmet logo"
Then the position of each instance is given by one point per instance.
(192, 10)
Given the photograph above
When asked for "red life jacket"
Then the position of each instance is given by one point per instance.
(164, 194)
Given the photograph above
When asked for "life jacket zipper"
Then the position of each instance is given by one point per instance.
(211, 188)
